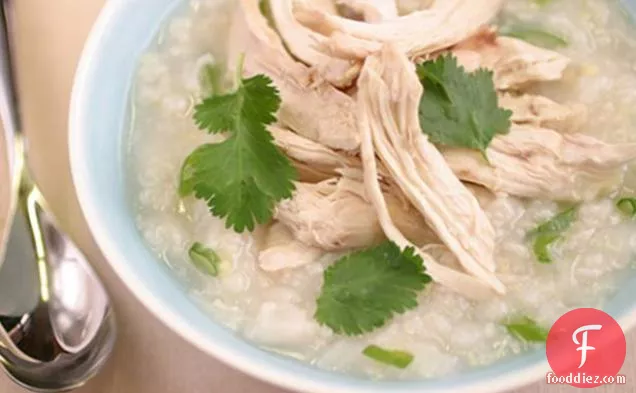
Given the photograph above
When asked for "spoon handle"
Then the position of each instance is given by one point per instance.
(10, 123)
(9, 113)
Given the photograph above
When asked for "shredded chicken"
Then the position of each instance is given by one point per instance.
(408, 6)
(326, 216)
(302, 41)
(514, 62)
(282, 251)
(483, 195)
(402, 187)
(443, 25)
(372, 11)
(537, 162)
(542, 112)
(313, 108)
(346, 46)
(388, 98)
(335, 215)
(328, 6)
(405, 216)
(314, 161)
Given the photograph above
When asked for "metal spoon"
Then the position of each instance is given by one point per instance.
(61, 326)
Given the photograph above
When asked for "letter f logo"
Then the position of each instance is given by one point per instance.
(583, 344)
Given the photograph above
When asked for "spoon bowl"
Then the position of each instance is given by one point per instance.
(68, 336)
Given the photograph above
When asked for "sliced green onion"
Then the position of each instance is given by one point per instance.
(210, 77)
(558, 223)
(627, 206)
(542, 3)
(186, 179)
(549, 232)
(541, 247)
(396, 358)
(527, 330)
(535, 35)
(205, 259)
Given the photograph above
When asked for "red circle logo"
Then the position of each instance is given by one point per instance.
(586, 348)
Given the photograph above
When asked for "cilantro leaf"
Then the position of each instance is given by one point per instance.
(362, 290)
(458, 108)
(243, 177)
(627, 206)
(527, 330)
(205, 259)
(535, 35)
(252, 106)
(551, 231)
(399, 359)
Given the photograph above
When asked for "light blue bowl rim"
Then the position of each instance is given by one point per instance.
(98, 132)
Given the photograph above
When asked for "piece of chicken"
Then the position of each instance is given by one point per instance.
(484, 196)
(346, 46)
(283, 251)
(443, 25)
(514, 62)
(302, 42)
(315, 162)
(405, 216)
(542, 112)
(334, 215)
(537, 162)
(328, 6)
(372, 11)
(312, 108)
(409, 6)
(388, 99)
(324, 215)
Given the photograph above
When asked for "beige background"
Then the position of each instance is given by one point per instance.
(149, 358)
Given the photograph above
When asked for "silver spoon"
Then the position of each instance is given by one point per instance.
(57, 328)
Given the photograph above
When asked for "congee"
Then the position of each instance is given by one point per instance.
(390, 189)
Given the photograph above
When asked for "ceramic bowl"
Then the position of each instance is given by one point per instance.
(99, 122)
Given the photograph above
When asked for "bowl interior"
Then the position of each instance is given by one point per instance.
(99, 131)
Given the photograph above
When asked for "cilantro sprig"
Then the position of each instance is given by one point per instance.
(363, 290)
(242, 178)
(459, 108)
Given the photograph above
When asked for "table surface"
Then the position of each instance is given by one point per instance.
(148, 358)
